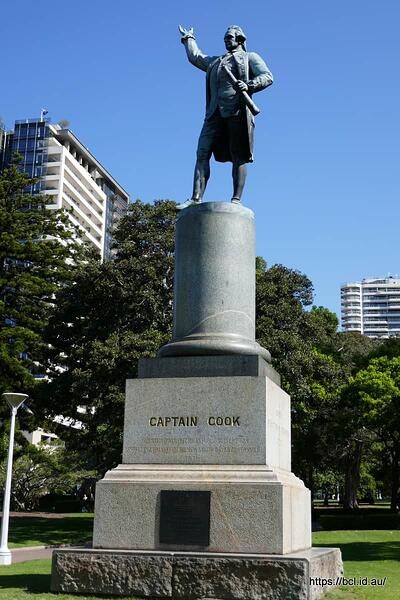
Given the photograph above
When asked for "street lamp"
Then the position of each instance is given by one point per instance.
(14, 401)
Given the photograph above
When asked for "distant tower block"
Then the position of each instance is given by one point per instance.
(372, 307)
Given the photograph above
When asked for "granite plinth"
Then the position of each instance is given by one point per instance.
(213, 344)
(233, 365)
(196, 576)
(214, 282)
(253, 508)
(207, 420)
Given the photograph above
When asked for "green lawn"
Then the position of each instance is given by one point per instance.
(372, 554)
(365, 518)
(31, 581)
(35, 531)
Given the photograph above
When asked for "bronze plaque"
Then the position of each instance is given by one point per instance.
(185, 518)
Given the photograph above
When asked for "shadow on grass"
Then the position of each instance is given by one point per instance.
(35, 583)
(368, 551)
(362, 519)
(51, 531)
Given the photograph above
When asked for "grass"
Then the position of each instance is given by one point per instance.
(376, 517)
(31, 580)
(37, 531)
(372, 554)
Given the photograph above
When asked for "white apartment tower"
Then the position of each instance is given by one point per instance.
(70, 176)
(372, 307)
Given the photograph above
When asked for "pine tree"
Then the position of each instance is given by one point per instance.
(114, 312)
(38, 255)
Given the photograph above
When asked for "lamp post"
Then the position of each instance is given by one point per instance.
(14, 401)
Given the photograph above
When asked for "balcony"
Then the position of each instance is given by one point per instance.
(85, 194)
(96, 241)
(87, 223)
(84, 178)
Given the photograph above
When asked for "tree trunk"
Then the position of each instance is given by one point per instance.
(310, 479)
(395, 500)
(352, 476)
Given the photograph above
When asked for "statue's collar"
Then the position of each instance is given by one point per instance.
(235, 52)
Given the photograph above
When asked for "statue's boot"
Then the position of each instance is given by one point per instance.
(188, 202)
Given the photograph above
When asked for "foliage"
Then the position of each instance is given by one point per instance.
(349, 444)
(38, 471)
(301, 342)
(111, 315)
(388, 347)
(64, 123)
(37, 257)
(354, 351)
(315, 362)
(282, 324)
(328, 481)
(372, 398)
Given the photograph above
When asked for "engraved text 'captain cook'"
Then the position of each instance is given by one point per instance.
(189, 421)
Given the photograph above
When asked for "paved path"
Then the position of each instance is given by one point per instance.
(36, 514)
(37, 552)
(32, 553)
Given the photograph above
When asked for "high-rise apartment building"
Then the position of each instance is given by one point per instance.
(372, 307)
(5, 140)
(70, 176)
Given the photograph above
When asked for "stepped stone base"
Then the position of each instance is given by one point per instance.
(197, 576)
(253, 508)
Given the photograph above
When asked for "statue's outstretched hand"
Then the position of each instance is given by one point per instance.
(186, 33)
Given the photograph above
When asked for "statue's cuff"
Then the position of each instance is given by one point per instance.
(187, 37)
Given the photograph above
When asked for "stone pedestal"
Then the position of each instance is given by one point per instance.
(204, 504)
(253, 509)
(214, 283)
(226, 435)
(305, 575)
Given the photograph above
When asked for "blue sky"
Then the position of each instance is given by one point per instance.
(325, 184)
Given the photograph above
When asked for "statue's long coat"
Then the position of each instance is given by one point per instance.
(251, 69)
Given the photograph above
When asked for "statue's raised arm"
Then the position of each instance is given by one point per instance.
(194, 54)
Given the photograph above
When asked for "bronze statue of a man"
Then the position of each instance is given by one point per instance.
(229, 123)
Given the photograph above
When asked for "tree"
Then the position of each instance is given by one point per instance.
(111, 314)
(38, 255)
(64, 123)
(38, 471)
(373, 397)
(349, 440)
(301, 342)
(282, 324)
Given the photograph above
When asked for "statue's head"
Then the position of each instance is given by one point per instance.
(234, 37)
